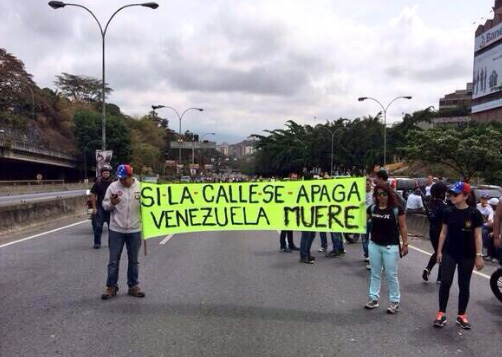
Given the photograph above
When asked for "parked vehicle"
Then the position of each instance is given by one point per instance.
(493, 191)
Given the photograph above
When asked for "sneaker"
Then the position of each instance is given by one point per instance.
(371, 304)
(463, 323)
(322, 250)
(440, 320)
(97, 246)
(367, 260)
(425, 274)
(332, 254)
(136, 292)
(438, 282)
(311, 258)
(393, 308)
(294, 248)
(495, 260)
(306, 261)
(368, 266)
(111, 291)
(285, 250)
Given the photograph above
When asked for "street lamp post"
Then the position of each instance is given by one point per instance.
(193, 145)
(361, 99)
(180, 117)
(85, 157)
(59, 5)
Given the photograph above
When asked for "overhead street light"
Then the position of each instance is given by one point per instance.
(362, 99)
(180, 117)
(200, 140)
(59, 5)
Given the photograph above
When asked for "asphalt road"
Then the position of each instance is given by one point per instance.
(224, 294)
(33, 197)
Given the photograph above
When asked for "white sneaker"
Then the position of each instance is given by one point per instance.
(368, 266)
(322, 250)
(367, 260)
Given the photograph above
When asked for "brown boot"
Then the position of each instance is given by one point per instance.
(111, 291)
(136, 292)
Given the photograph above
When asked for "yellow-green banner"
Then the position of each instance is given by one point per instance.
(334, 205)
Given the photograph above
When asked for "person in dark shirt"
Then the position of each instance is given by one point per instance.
(387, 223)
(459, 248)
(435, 211)
(100, 216)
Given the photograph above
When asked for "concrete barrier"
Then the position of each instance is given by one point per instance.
(15, 217)
(418, 225)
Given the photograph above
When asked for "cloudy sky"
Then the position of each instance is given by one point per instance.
(253, 64)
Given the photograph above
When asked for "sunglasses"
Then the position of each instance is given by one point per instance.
(382, 194)
(454, 194)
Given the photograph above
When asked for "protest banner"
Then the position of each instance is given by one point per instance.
(334, 205)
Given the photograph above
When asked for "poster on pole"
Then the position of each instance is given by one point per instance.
(333, 205)
(103, 157)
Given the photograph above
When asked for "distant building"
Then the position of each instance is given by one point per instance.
(455, 108)
(458, 99)
(487, 73)
(223, 148)
(242, 149)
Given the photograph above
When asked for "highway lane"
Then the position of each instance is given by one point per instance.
(224, 294)
(33, 197)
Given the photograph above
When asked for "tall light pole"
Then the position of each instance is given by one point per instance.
(59, 5)
(193, 145)
(180, 117)
(361, 99)
(332, 133)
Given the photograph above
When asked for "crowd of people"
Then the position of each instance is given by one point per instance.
(463, 234)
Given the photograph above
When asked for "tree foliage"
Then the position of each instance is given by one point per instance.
(15, 82)
(356, 146)
(80, 88)
(87, 132)
(469, 152)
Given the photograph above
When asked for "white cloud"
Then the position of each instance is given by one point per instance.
(253, 65)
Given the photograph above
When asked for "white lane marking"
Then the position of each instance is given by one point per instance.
(41, 234)
(430, 254)
(166, 239)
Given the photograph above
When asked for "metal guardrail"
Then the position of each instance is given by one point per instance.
(26, 147)
(31, 182)
(31, 201)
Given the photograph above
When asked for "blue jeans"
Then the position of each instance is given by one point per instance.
(386, 256)
(99, 220)
(306, 244)
(116, 243)
(336, 240)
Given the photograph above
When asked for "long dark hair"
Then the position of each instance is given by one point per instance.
(391, 201)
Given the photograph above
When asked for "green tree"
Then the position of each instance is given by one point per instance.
(87, 133)
(80, 88)
(15, 83)
(469, 151)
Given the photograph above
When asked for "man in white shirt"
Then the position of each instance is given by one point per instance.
(487, 213)
(430, 182)
(414, 202)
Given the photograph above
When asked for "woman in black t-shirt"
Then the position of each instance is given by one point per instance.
(459, 248)
(435, 211)
(387, 221)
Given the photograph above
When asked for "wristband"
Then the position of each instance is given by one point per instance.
(479, 255)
